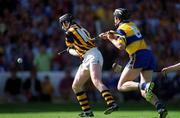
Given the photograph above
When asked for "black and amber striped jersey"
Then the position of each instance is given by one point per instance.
(79, 38)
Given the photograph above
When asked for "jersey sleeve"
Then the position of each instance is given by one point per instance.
(69, 39)
(121, 36)
(121, 32)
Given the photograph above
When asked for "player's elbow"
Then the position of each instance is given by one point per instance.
(121, 88)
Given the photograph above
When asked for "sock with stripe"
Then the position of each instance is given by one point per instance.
(142, 86)
(106, 94)
(159, 105)
(83, 101)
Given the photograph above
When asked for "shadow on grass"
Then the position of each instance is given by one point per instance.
(72, 107)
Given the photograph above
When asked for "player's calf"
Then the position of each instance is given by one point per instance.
(84, 103)
(112, 106)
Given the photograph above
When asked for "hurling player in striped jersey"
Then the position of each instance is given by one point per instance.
(80, 43)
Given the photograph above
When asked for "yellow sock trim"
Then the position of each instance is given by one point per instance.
(85, 107)
(106, 93)
(84, 102)
(106, 98)
(81, 97)
(110, 101)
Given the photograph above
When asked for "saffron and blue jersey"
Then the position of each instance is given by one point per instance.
(136, 47)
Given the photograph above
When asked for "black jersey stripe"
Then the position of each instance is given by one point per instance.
(75, 37)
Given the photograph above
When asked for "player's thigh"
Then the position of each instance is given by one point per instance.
(129, 74)
(81, 76)
(96, 72)
(146, 76)
(95, 66)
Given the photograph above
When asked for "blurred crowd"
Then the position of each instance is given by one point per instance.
(32, 89)
(30, 29)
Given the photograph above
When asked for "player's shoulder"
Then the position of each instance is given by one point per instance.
(127, 26)
(75, 28)
(71, 29)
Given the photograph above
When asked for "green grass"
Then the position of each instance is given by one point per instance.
(45, 110)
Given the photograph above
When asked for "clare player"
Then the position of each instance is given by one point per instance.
(80, 44)
(142, 62)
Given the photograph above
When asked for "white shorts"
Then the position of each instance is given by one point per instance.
(92, 56)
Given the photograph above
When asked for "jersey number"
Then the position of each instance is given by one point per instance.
(136, 31)
(84, 34)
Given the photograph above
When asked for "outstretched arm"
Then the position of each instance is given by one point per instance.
(117, 41)
(171, 68)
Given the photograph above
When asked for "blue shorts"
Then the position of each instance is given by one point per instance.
(142, 59)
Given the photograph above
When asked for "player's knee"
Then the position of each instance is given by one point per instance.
(121, 88)
(73, 87)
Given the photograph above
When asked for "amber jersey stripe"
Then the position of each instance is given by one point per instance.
(79, 38)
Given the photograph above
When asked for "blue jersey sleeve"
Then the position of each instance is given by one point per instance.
(121, 36)
(121, 32)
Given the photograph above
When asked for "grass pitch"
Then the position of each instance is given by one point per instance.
(46, 110)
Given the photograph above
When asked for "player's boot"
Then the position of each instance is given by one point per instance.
(86, 114)
(149, 88)
(162, 111)
(111, 108)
